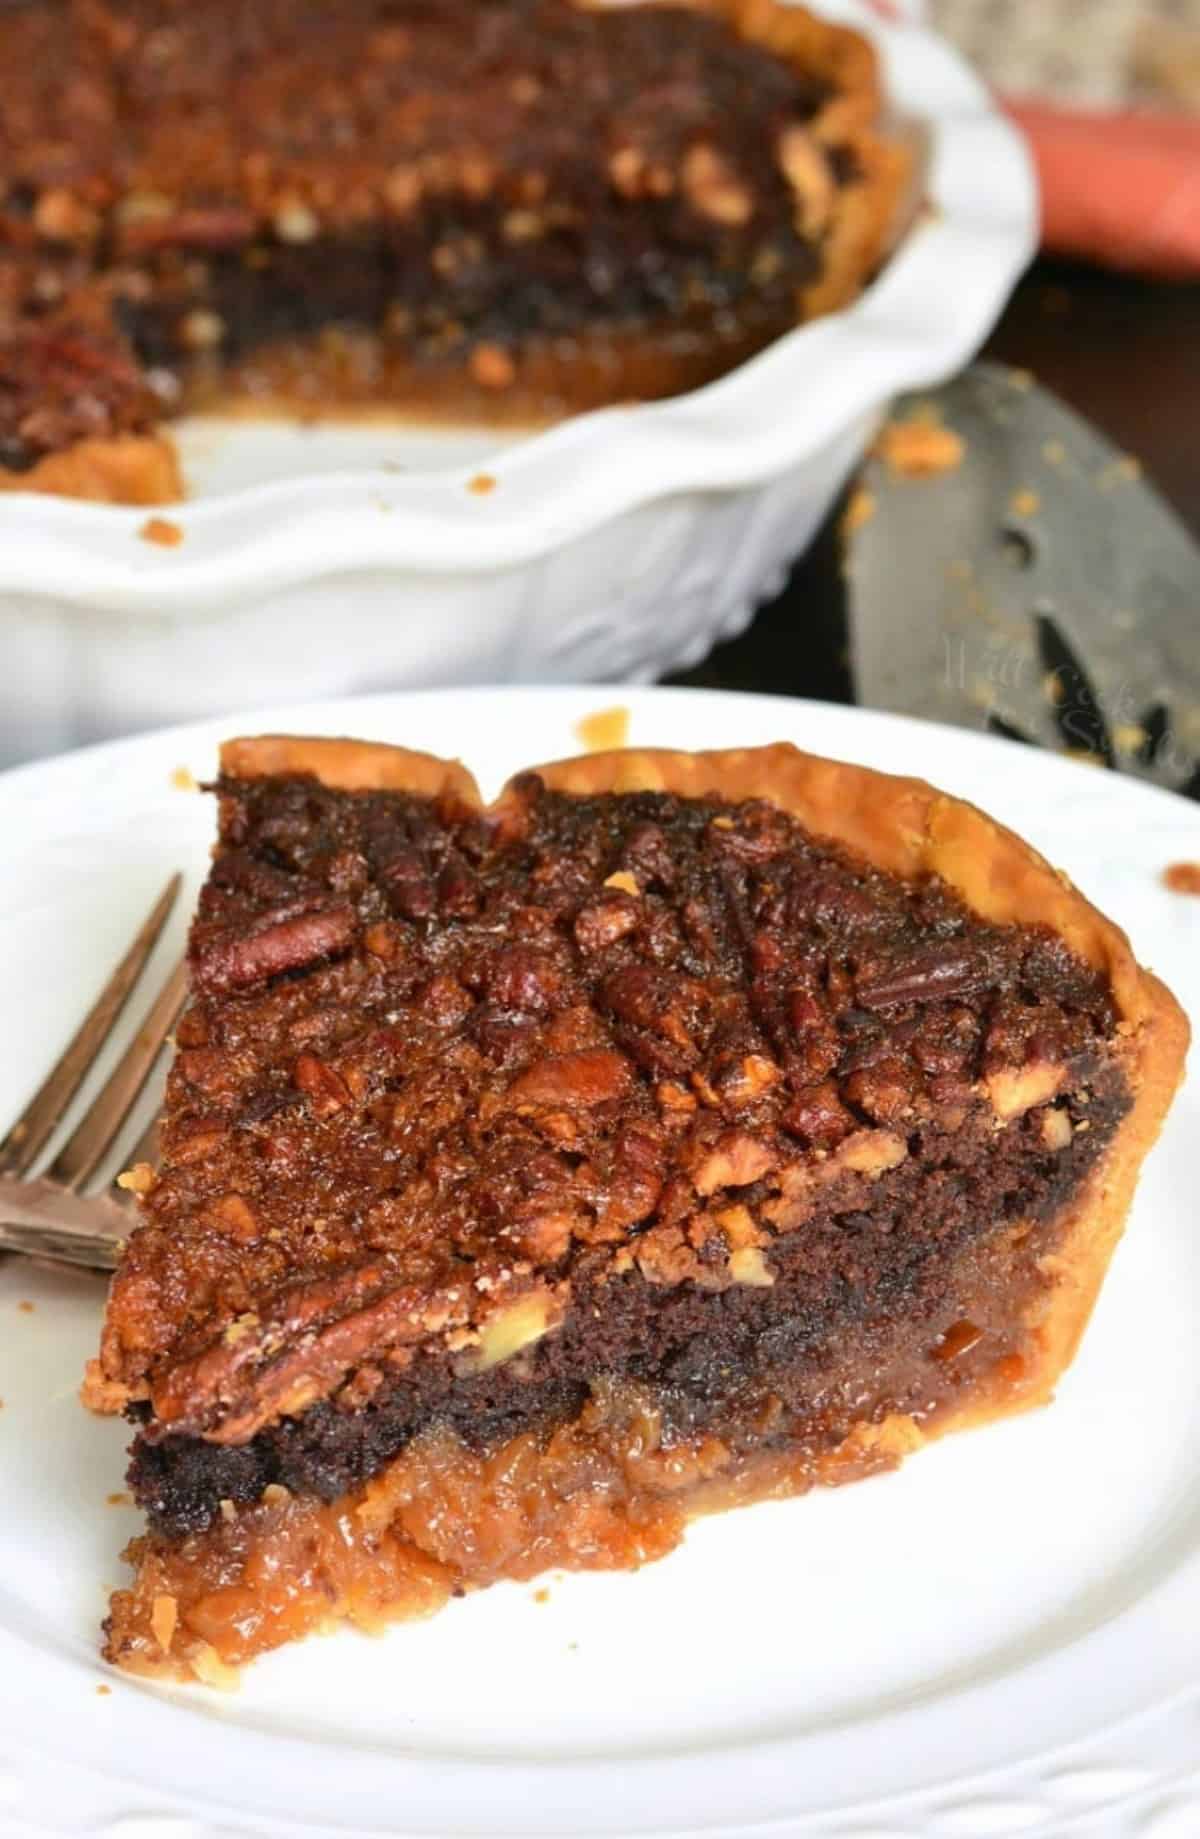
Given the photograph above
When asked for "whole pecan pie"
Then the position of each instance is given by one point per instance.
(680, 1130)
(507, 207)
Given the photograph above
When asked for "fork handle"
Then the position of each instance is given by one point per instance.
(44, 1222)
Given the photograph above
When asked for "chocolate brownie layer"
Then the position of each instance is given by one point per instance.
(469, 1114)
(725, 1362)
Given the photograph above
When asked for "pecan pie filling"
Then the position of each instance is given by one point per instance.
(510, 207)
(535, 1179)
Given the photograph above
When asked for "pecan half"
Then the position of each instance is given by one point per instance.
(931, 973)
(279, 942)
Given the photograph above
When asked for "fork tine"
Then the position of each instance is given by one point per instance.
(33, 1129)
(94, 1136)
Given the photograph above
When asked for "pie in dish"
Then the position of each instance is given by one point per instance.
(681, 1130)
(507, 208)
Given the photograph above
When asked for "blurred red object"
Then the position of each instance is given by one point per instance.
(1118, 188)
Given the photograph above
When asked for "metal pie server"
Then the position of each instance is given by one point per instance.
(1039, 589)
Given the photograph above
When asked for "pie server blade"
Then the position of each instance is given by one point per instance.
(1040, 589)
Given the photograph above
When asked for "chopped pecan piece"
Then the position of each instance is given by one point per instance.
(747, 1265)
(808, 173)
(735, 1161)
(818, 1116)
(593, 1076)
(457, 887)
(888, 1090)
(1056, 1129)
(648, 855)
(1015, 1090)
(546, 1237)
(605, 921)
(235, 1216)
(657, 1002)
(742, 1080)
(713, 188)
(409, 886)
(326, 1090)
(519, 977)
(871, 1152)
(513, 1327)
(633, 1192)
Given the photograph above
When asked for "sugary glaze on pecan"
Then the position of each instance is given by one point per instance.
(446, 1078)
(384, 185)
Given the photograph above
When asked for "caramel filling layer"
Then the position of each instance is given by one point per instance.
(611, 1490)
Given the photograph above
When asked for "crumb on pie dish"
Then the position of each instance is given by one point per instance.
(275, 205)
(679, 1131)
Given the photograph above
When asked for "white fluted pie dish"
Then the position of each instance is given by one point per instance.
(615, 546)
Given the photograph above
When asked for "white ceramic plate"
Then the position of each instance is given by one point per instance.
(998, 1640)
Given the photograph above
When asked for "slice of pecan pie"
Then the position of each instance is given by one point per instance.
(683, 1129)
(507, 208)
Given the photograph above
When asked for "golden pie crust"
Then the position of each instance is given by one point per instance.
(134, 469)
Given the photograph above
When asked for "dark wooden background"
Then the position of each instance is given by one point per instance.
(1123, 351)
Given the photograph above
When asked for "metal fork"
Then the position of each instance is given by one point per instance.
(61, 1213)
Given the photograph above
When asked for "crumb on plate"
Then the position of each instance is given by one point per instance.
(26, 1308)
(120, 1499)
(604, 728)
(1182, 877)
(482, 484)
(184, 779)
(1024, 503)
(163, 531)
